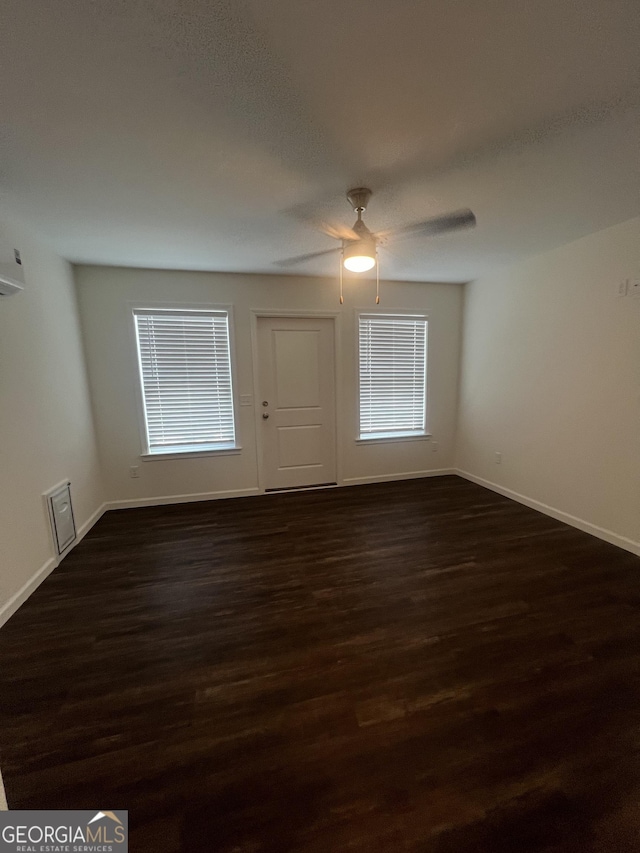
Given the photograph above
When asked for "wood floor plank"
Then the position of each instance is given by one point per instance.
(418, 666)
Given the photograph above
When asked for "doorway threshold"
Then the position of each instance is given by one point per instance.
(302, 488)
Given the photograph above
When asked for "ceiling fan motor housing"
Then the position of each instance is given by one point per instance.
(361, 229)
(363, 248)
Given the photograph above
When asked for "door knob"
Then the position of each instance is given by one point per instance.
(265, 416)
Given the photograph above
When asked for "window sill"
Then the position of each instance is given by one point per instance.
(384, 439)
(191, 454)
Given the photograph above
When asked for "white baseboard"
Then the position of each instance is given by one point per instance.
(181, 499)
(18, 598)
(86, 527)
(407, 475)
(558, 514)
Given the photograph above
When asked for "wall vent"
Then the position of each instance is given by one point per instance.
(63, 525)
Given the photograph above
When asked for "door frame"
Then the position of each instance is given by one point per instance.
(256, 315)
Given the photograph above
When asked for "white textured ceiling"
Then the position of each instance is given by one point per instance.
(194, 133)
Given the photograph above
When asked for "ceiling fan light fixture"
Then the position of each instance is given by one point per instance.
(360, 255)
(359, 263)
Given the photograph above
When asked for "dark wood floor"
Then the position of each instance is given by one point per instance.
(415, 666)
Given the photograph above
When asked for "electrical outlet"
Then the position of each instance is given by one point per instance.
(498, 457)
(434, 446)
(623, 285)
(134, 471)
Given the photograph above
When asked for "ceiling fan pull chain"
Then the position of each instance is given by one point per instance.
(377, 278)
(340, 265)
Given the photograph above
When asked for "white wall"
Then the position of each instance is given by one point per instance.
(46, 426)
(550, 378)
(105, 294)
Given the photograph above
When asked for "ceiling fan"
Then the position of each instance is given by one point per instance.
(359, 244)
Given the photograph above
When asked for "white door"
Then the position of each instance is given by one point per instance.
(297, 401)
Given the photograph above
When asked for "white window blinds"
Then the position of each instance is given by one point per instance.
(185, 370)
(393, 361)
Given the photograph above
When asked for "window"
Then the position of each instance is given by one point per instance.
(185, 373)
(393, 361)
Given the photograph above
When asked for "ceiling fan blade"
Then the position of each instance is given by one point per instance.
(300, 259)
(430, 227)
(335, 230)
(332, 229)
